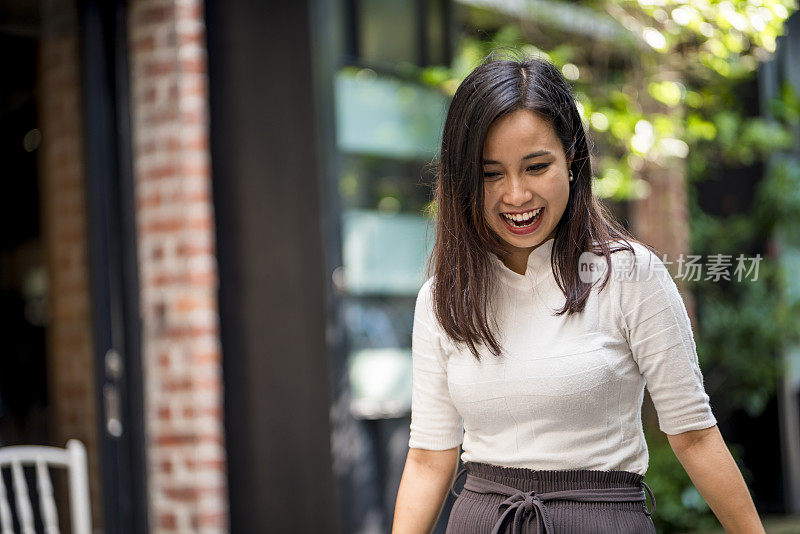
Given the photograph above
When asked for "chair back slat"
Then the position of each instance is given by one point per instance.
(73, 459)
(6, 524)
(79, 488)
(47, 504)
(21, 499)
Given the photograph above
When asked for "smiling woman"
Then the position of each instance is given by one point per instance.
(536, 372)
(524, 195)
(513, 141)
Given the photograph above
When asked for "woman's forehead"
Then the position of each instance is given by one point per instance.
(522, 127)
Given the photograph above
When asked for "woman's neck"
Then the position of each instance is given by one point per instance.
(517, 258)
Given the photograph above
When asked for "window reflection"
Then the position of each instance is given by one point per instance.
(387, 134)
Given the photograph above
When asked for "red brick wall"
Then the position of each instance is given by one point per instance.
(70, 367)
(178, 275)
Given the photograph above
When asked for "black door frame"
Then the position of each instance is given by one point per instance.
(113, 266)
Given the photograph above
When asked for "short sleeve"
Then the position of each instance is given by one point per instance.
(653, 316)
(435, 422)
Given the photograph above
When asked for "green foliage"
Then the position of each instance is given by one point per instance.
(778, 203)
(729, 37)
(739, 336)
(744, 325)
(691, 53)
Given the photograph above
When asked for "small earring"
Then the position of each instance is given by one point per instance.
(570, 175)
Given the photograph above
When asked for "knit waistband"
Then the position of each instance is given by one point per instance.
(527, 490)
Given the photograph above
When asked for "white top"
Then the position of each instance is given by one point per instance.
(567, 391)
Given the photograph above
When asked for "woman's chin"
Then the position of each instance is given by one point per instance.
(526, 240)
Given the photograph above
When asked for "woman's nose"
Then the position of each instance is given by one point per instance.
(516, 193)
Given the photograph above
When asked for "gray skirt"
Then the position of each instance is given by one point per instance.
(498, 499)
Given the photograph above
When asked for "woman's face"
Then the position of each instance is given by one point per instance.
(526, 179)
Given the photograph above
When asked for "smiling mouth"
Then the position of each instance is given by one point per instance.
(523, 220)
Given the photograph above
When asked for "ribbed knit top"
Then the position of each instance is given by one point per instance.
(567, 391)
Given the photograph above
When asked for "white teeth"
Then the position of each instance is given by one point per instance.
(522, 217)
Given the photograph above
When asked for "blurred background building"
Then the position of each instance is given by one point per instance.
(216, 221)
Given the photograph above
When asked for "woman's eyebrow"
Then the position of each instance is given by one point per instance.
(529, 156)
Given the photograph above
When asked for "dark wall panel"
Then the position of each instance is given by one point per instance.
(272, 281)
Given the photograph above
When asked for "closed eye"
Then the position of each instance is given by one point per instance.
(537, 167)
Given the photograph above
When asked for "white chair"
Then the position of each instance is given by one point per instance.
(73, 459)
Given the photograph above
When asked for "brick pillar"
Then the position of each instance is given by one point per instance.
(178, 275)
(662, 219)
(70, 365)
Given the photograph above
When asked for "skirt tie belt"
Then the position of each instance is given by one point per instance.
(521, 505)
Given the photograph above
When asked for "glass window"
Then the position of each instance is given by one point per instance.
(388, 132)
(388, 31)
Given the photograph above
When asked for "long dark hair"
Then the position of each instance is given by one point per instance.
(460, 262)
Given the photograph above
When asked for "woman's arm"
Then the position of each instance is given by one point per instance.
(427, 477)
(707, 461)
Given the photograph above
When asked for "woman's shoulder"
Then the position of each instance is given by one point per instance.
(426, 290)
(424, 305)
(642, 257)
(424, 311)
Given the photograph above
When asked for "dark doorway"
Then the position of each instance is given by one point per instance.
(23, 380)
